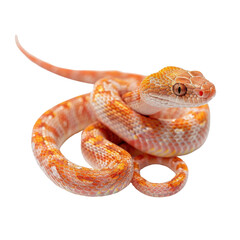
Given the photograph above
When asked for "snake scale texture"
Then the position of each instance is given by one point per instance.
(128, 121)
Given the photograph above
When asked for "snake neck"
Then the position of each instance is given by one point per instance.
(134, 100)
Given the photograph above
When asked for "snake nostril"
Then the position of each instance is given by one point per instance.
(202, 93)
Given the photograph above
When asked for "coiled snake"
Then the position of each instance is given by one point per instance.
(129, 121)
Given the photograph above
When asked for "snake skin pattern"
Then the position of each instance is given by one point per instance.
(129, 121)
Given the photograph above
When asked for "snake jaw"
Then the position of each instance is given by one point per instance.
(189, 100)
(160, 101)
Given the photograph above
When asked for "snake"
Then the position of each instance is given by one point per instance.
(128, 121)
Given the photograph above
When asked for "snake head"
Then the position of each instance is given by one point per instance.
(176, 87)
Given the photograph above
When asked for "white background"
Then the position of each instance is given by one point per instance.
(132, 36)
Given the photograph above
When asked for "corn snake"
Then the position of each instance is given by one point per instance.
(129, 121)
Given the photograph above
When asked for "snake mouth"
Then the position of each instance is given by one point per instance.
(158, 100)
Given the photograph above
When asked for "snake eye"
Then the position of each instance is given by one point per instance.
(179, 89)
